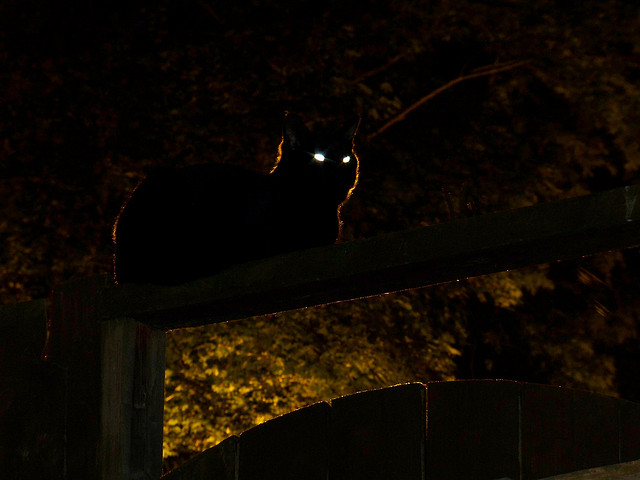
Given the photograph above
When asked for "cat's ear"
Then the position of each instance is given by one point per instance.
(349, 128)
(294, 131)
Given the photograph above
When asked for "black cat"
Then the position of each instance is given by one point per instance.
(184, 223)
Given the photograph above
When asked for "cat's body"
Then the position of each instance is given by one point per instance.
(184, 223)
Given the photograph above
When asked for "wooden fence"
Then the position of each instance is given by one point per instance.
(442, 430)
(92, 409)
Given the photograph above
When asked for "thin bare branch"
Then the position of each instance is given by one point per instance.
(480, 72)
(379, 69)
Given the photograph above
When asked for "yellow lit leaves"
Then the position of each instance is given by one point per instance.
(507, 289)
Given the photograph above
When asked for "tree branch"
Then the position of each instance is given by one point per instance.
(379, 69)
(479, 72)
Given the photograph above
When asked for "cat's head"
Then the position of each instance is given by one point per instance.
(319, 160)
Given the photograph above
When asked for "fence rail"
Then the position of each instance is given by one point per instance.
(398, 261)
(620, 471)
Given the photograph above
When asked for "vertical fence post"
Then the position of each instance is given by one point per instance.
(115, 386)
(132, 396)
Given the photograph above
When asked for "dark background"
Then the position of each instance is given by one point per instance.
(94, 94)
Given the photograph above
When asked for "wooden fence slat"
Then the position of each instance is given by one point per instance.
(596, 429)
(290, 447)
(473, 429)
(565, 430)
(629, 430)
(547, 431)
(440, 253)
(73, 345)
(33, 421)
(215, 463)
(23, 330)
(31, 445)
(379, 434)
(498, 428)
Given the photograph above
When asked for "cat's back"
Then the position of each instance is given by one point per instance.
(180, 223)
(187, 190)
(203, 179)
(194, 201)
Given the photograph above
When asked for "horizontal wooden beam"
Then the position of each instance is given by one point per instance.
(440, 253)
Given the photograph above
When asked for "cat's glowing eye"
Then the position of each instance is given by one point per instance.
(319, 157)
(346, 159)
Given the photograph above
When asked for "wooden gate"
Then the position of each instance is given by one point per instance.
(442, 430)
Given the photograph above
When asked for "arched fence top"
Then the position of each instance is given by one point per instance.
(485, 429)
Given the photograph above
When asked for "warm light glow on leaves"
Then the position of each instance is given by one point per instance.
(274, 365)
